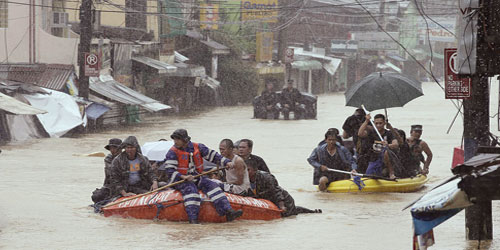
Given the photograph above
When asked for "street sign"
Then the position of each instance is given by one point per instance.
(455, 87)
(91, 65)
(376, 40)
(289, 52)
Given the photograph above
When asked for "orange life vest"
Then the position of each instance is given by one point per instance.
(183, 159)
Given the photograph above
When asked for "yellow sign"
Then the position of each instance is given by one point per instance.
(209, 15)
(266, 10)
(264, 51)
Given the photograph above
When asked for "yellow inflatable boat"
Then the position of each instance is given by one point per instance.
(377, 185)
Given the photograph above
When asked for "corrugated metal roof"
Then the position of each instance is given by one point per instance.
(52, 76)
(114, 90)
(162, 67)
(55, 76)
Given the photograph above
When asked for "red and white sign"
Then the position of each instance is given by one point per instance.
(92, 65)
(289, 52)
(455, 87)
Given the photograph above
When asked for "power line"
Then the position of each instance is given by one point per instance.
(406, 50)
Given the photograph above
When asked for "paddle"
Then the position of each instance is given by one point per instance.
(361, 175)
(161, 188)
(374, 128)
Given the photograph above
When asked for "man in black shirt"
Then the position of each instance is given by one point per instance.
(379, 155)
(245, 152)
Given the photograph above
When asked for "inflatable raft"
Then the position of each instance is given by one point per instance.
(168, 205)
(377, 185)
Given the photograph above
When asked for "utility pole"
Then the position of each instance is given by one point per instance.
(478, 218)
(283, 5)
(84, 46)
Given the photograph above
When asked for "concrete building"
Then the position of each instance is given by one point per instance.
(32, 30)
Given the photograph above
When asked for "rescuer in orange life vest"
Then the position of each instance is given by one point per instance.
(185, 160)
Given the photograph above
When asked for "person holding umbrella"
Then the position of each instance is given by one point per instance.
(382, 141)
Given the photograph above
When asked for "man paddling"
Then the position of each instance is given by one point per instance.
(185, 160)
(131, 172)
(330, 155)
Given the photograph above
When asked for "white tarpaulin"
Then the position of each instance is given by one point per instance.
(14, 106)
(63, 112)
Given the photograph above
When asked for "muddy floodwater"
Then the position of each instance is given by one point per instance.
(45, 187)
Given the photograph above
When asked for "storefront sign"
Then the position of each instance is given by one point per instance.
(264, 10)
(264, 51)
(455, 87)
(209, 15)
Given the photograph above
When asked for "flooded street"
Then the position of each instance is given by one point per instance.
(45, 187)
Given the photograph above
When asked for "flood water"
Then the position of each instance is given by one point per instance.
(45, 187)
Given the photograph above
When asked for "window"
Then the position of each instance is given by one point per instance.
(4, 14)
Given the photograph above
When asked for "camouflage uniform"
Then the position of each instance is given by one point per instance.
(266, 187)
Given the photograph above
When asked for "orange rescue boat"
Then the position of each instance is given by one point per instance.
(168, 205)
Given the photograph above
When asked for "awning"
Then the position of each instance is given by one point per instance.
(108, 87)
(307, 65)
(215, 47)
(14, 106)
(332, 66)
(180, 57)
(188, 70)
(264, 69)
(396, 57)
(161, 67)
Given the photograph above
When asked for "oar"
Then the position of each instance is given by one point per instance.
(374, 128)
(361, 175)
(161, 188)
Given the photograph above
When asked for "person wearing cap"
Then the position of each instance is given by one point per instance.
(417, 146)
(104, 193)
(361, 145)
(185, 160)
(290, 101)
(330, 155)
(131, 171)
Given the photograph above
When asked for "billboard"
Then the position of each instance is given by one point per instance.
(209, 15)
(264, 50)
(436, 32)
(265, 10)
(376, 40)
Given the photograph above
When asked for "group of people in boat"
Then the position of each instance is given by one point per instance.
(273, 103)
(128, 172)
(379, 150)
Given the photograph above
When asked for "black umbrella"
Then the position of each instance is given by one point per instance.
(382, 90)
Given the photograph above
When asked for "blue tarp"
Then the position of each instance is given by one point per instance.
(96, 110)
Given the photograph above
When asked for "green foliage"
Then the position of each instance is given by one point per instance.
(238, 78)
